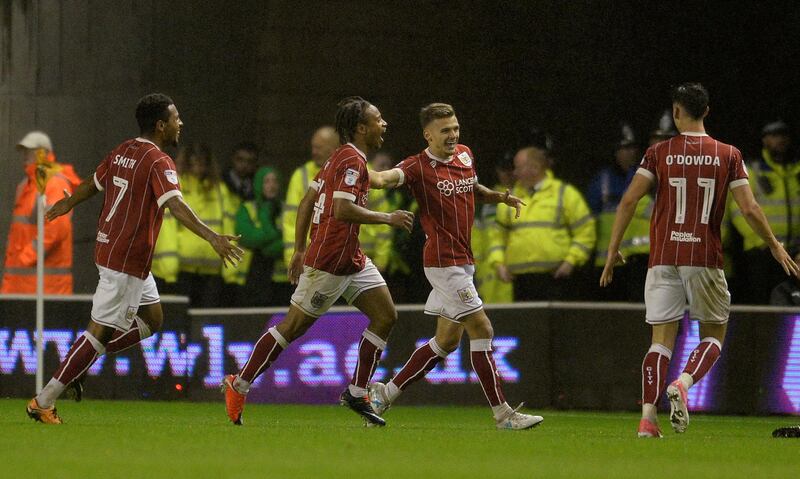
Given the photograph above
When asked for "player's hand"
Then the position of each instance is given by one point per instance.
(229, 252)
(296, 266)
(504, 274)
(786, 261)
(62, 207)
(564, 270)
(401, 219)
(608, 271)
(513, 202)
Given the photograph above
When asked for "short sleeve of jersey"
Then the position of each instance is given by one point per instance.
(164, 180)
(100, 174)
(737, 173)
(647, 167)
(349, 178)
(408, 170)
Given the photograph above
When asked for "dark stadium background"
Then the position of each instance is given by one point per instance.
(272, 71)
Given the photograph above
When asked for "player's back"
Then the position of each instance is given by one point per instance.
(334, 244)
(692, 173)
(137, 178)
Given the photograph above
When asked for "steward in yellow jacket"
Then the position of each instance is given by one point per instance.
(20, 261)
(554, 234)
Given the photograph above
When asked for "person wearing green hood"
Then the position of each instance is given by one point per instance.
(258, 223)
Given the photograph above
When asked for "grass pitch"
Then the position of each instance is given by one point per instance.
(178, 439)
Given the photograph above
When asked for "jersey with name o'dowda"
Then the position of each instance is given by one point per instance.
(334, 244)
(692, 173)
(443, 189)
(137, 178)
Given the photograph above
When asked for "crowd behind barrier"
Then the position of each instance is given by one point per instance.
(554, 251)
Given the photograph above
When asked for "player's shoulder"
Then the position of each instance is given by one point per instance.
(346, 153)
(464, 155)
(726, 148)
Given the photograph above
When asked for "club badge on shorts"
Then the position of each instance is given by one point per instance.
(465, 159)
(131, 313)
(350, 177)
(318, 300)
(466, 295)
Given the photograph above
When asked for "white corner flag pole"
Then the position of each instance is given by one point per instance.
(42, 203)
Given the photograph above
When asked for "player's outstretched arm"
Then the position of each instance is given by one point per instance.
(305, 211)
(639, 187)
(488, 195)
(386, 179)
(752, 213)
(222, 244)
(83, 192)
(346, 210)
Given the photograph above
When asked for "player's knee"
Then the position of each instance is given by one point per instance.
(448, 344)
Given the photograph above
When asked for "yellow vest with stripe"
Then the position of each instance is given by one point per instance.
(636, 239)
(298, 187)
(555, 226)
(165, 256)
(216, 206)
(490, 287)
(376, 240)
(776, 187)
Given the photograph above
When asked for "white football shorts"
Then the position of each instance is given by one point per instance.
(668, 288)
(318, 290)
(454, 295)
(118, 297)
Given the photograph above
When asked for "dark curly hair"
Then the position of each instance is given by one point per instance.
(351, 111)
(150, 109)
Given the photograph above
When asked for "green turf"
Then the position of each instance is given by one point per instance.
(177, 439)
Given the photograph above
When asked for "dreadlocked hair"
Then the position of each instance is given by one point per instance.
(349, 114)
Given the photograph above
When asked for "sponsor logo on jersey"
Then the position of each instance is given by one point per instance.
(433, 163)
(466, 295)
(465, 159)
(461, 185)
(102, 237)
(684, 237)
(446, 187)
(172, 176)
(318, 300)
(350, 177)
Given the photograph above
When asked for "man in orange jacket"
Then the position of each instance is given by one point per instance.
(20, 264)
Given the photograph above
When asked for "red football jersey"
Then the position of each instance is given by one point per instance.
(692, 173)
(334, 244)
(443, 189)
(137, 178)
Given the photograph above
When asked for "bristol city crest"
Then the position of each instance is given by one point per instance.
(465, 159)
(318, 300)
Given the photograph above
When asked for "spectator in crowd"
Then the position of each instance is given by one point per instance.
(490, 287)
(554, 235)
(323, 142)
(376, 239)
(200, 274)
(21, 258)
(239, 175)
(262, 272)
(605, 191)
(775, 181)
(665, 129)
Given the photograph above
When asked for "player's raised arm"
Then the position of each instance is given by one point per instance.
(488, 195)
(639, 187)
(83, 192)
(751, 210)
(386, 179)
(229, 252)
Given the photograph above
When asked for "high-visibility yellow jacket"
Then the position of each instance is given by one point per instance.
(20, 261)
(216, 206)
(298, 187)
(555, 226)
(490, 287)
(166, 264)
(376, 240)
(776, 187)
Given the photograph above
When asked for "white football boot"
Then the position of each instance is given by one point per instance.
(517, 420)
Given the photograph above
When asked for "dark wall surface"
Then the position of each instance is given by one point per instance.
(272, 71)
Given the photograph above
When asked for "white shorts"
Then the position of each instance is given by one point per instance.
(668, 288)
(118, 297)
(317, 290)
(454, 295)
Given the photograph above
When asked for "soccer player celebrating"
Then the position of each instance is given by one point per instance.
(692, 174)
(443, 181)
(334, 265)
(137, 179)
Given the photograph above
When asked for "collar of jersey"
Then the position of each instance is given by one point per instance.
(434, 157)
(694, 133)
(359, 151)
(139, 138)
